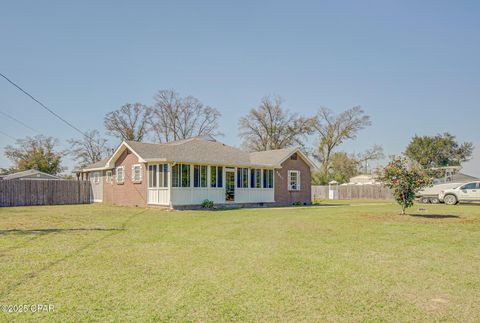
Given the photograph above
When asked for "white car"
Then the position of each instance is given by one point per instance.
(469, 192)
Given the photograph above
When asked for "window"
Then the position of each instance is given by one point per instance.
(268, 178)
(293, 180)
(199, 176)
(96, 177)
(469, 186)
(256, 178)
(120, 174)
(137, 173)
(181, 175)
(152, 175)
(185, 175)
(216, 176)
(158, 175)
(242, 177)
(108, 178)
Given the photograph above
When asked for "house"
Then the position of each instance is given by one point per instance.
(362, 179)
(30, 174)
(184, 173)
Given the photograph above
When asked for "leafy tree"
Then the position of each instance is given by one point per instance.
(90, 149)
(7, 171)
(405, 179)
(342, 167)
(130, 122)
(270, 126)
(37, 152)
(175, 118)
(333, 130)
(438, 151)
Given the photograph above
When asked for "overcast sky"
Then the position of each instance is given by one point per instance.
(412, 65)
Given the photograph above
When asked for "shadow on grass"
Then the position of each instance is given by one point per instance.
(32, 275)
(46, 231)
(436, 216)
(331, 204)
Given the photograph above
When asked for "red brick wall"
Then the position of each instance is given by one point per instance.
(285, 197)
(128, 193)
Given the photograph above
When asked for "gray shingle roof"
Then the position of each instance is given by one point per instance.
(203, 150)
(271, 157)
(195, 150)
(100, 164)
(30, 174)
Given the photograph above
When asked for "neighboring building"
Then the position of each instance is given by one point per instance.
(362, 180)
(184, 173)
(29, 174)
(455, 178)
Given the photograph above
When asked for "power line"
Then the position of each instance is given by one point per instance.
(7, 135)
(19, 122)
(43, 105)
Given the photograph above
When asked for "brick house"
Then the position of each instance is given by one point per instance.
(184, 173)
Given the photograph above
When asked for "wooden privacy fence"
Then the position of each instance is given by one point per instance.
(44, 192)
(348, 192)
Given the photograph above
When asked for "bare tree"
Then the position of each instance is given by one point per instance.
(130, 122)
(90, 149)
(271, 127)
(333, 130)
(372, 154)
(174, 117)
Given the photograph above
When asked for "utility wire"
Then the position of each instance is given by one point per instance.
(19, 122)
(7, 135)
(26, 126)
(43, 105)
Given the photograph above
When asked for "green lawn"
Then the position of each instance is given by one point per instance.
(355, 261)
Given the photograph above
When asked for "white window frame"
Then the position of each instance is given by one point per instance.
(120, 180)
(108, 176)
(289, 180)
(160, 175)
(139, 179)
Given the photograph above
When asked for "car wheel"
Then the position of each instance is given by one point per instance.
(434, 200)
(450, 199)
(424, 200)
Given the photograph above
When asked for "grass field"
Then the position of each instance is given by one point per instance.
(354, 261)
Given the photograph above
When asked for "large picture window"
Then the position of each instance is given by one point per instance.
(293, 180)
(242, 177)
(216, 176)
(199, 176)
(268, 178)
(158, 175)
(181, 175)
